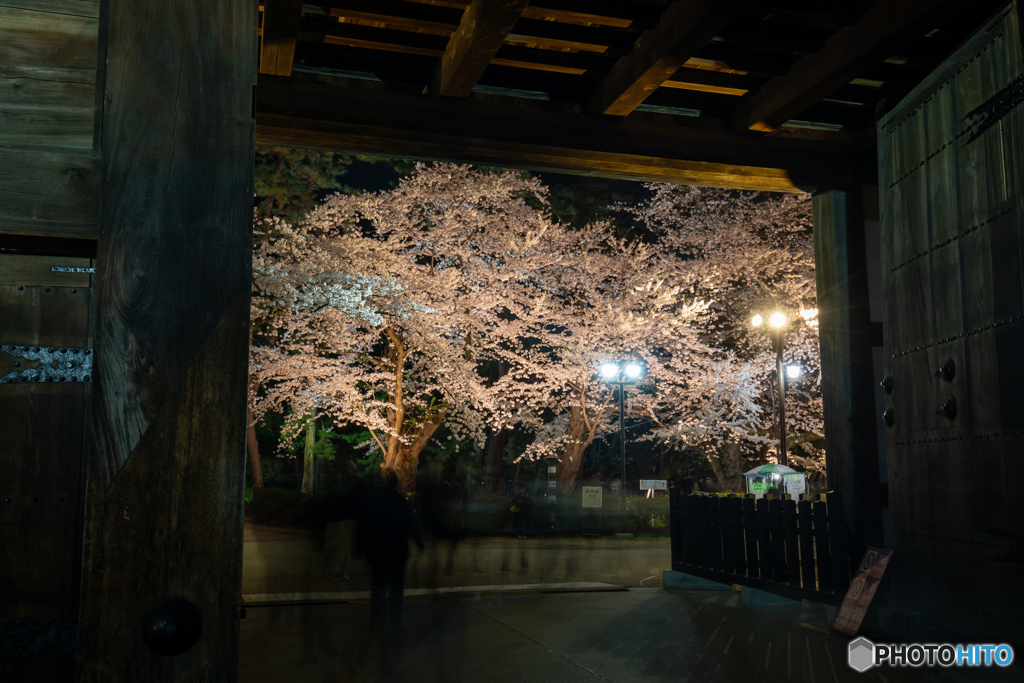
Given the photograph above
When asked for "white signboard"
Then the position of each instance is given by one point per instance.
(592, 496)
(654, 484)
(796, 484)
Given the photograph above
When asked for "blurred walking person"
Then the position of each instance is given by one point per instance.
(384, 528)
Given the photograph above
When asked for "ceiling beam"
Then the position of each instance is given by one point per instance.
(685, 27)
(279, 33)
(543, 136)
(483, 28)
(885, 29)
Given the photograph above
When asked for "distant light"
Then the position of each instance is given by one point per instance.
(778, 320)
(633, 370)
(756, 321)
(794, 371)
(609, 370)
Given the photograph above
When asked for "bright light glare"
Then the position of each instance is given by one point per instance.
(633, 370)
(756, 322)
(794, 371)
(778, 320)
(609, 370)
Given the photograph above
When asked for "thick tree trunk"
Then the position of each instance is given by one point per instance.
(307, 458)
(495, 460)
(253, 447)
(405, 459)
(726, 464)
(571, 466)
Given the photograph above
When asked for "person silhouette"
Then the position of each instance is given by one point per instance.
(383, 529)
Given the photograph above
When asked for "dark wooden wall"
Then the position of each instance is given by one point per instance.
(951, 157)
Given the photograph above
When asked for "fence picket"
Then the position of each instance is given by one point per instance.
(778, 540)
(810, 580)
(715, 527)
(764, 539)
(750, 530)
(792, 549)
(728, 545)
(823, 556)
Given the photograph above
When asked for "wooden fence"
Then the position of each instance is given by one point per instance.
(796, 549)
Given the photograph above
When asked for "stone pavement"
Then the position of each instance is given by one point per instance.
(645, 634)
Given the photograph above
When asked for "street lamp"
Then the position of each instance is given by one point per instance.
(777, 332)
(622, 374)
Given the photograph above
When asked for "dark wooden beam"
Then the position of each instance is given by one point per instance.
(172, 293)
(280, 31)
(886, 28)
(543, 136)
(683, 30)
(483, 28)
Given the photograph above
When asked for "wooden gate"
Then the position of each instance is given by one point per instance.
(44, 328)
(950, 176)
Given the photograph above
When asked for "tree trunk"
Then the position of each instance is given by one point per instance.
(495, 460)
(572, 459)
(405, 459)
(307, 458)
(253, 447)
(725, 464)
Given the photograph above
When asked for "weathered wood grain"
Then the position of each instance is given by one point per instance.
(952, 269)
(48, 193)
(482, 30)
(170, 525)
(17, 269)
(41, 469)
(174, 244)
(684, 28)
(78, 8)
(48, 74)
(278, 36)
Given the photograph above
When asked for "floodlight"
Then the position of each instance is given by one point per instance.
(609, 370)
(756, 322)
(633, 370)
(778, 320)
(794, 371)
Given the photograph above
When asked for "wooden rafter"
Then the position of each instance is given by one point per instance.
(684, 28)
(483, 28)
(329, 115)
(886, 28)
(280, 31)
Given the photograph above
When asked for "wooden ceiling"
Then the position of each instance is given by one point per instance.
(720, 92)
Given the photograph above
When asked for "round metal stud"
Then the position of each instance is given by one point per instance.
(949, 408)
(172, 627)
(947, 370)
(889, 417)
(887, 384)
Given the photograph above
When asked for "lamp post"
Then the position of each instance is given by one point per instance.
(777, 332)
(616, 373)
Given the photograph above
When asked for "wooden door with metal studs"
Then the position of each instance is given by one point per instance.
(45, 384)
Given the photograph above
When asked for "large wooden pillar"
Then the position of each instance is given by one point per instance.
(164, 510)
(847, 336)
